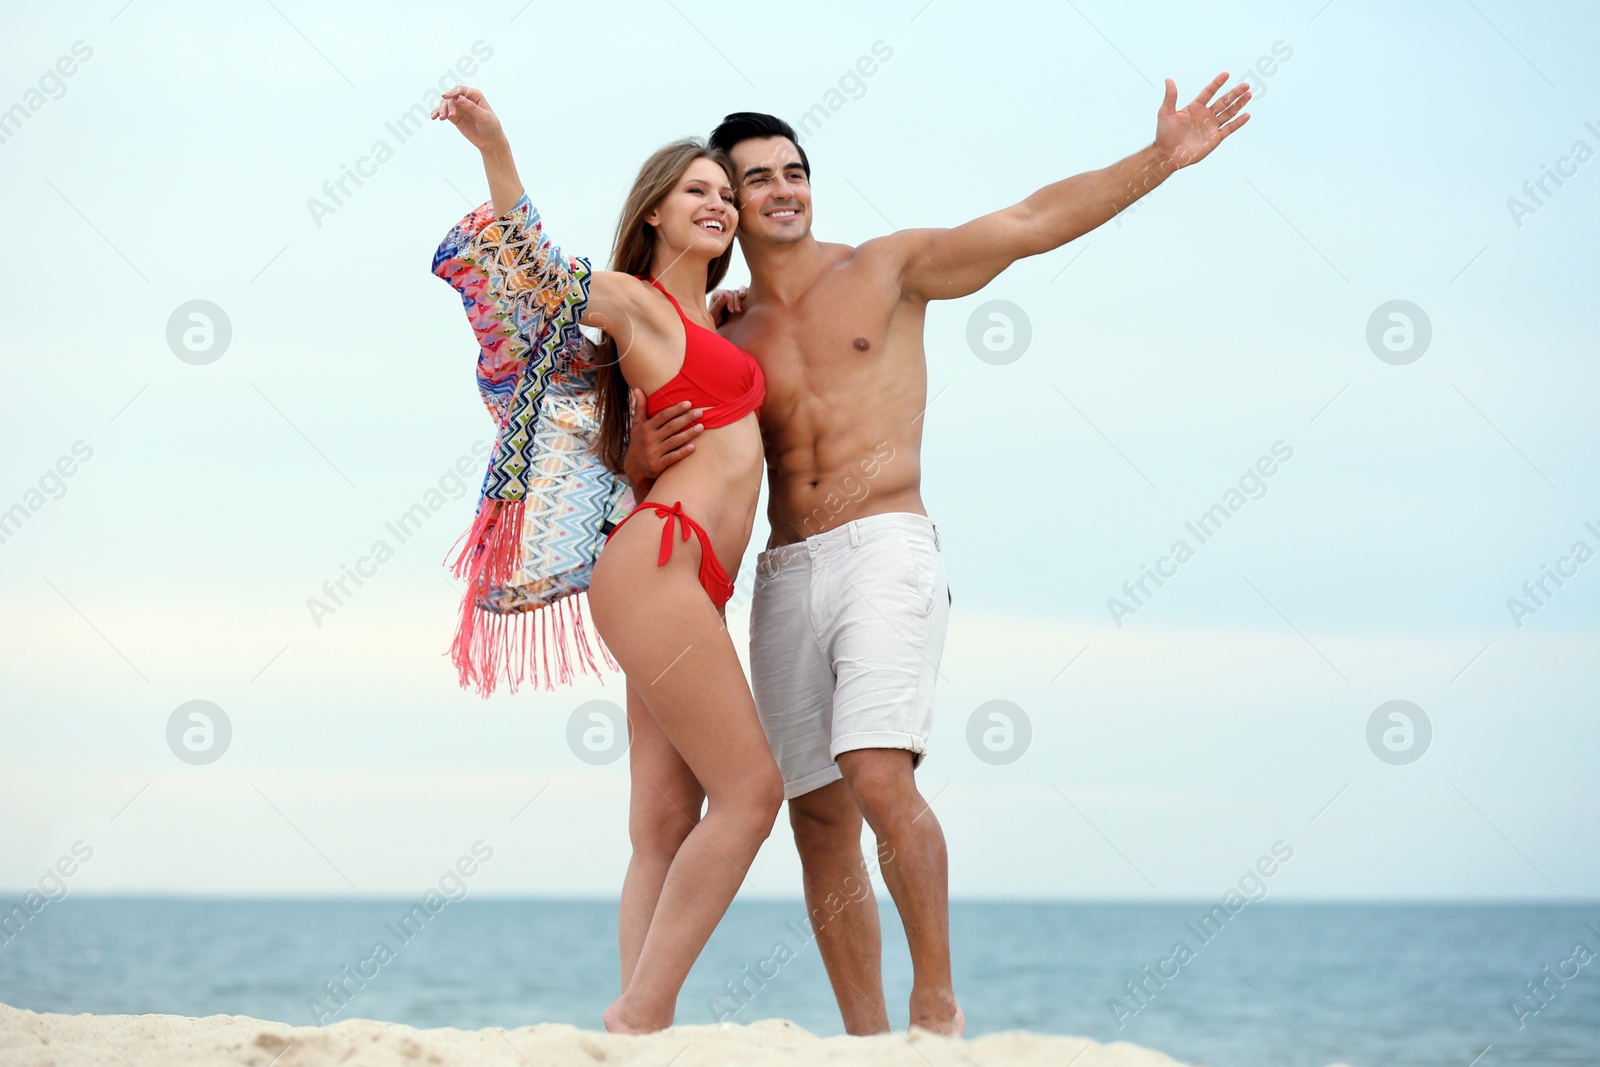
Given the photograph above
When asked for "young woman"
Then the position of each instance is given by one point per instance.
(659, 586)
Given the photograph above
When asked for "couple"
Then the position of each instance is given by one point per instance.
(817, 370)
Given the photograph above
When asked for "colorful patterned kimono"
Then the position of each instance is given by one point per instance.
(547, 501)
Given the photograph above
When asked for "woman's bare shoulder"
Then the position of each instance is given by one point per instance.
(614, 290)
(631, 311)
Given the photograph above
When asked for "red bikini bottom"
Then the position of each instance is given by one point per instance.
(713, 579)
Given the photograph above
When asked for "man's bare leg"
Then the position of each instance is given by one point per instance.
(916, 872)
(827, 833)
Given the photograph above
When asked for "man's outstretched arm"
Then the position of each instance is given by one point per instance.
(944, 264)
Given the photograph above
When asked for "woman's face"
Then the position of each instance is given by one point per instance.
(699, 214)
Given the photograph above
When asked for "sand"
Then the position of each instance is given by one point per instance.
(34, 1040)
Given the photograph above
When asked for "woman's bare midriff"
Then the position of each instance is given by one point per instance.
(719, 485)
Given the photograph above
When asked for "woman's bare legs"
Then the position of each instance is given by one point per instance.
(663, 806)
(662, 629)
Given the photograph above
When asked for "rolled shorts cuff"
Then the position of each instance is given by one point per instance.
(917, 746)
(811, 782)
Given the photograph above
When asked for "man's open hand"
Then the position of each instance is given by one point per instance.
(1186, 136)
(726, 303)
(656, 443)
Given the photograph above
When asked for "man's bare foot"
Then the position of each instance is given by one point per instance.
(947, 1019)
(616, 1023)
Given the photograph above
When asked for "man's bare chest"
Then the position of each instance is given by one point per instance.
(825, 342)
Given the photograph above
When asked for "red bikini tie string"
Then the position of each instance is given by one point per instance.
(673, 515)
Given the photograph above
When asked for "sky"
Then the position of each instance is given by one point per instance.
(183, 500)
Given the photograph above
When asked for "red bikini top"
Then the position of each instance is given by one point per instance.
(717, 375)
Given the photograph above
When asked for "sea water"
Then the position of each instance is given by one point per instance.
(1275, 985)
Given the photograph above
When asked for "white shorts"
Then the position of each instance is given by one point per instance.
(846, 631)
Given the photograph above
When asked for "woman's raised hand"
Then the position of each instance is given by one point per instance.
(478, 123)
(472, 115)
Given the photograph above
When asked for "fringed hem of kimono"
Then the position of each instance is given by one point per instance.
(543, 641)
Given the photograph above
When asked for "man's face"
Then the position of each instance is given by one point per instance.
(774, 194)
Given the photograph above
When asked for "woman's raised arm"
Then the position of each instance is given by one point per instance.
(471, 114)
(525, 270)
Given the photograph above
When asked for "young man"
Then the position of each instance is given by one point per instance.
(848, 622)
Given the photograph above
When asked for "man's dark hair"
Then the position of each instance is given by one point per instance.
(748, 125)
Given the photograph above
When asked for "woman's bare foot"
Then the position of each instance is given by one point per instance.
(617, 1020)
(614, 1022)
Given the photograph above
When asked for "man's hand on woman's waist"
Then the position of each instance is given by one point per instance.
(657, 442)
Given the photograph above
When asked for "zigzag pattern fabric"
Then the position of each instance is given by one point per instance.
(570, 496)
(547, 501)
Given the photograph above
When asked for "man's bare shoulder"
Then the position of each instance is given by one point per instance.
(835, 255)
(879, 257)
(896, 246)
(887, 258)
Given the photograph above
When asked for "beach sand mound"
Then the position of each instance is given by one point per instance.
(34, 1040)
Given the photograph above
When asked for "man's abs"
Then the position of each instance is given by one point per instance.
(880, 476)
(844, 441)
(847, 382)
